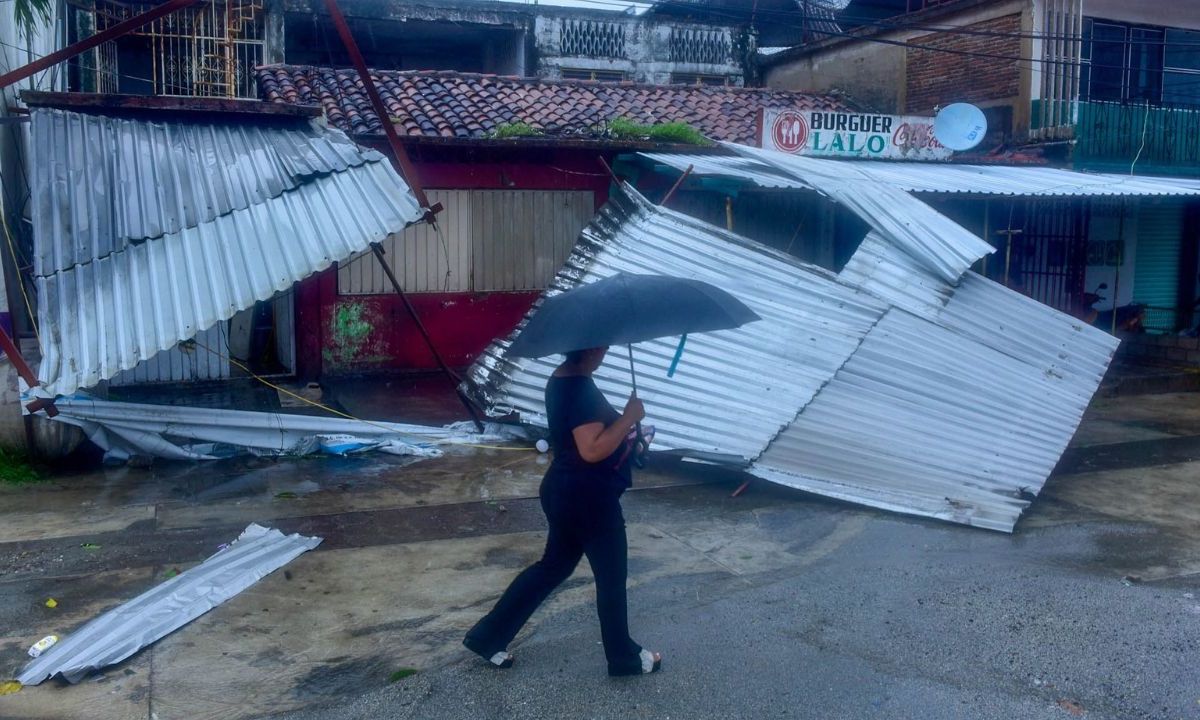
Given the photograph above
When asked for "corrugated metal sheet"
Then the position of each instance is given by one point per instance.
(946, 177)
(168, 606)
(884, 270)
(102, 182)
(947, 400)
(120, 307)
(182, 363)
(489, 241)
(961, 420)
(423, 259)
(522, 237)
(729, 166)
(736, 388)
(941, 245)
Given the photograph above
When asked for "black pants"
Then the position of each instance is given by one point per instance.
(580, 524)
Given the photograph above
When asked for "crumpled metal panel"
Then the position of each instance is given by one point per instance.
(885, 271)
(99, 183)
(955, 403)
(125, 629)
(1057, 344)
(180, 432)
(735, 389)
(941, 245)
(948, 420)
(114, 309)
(949, 177)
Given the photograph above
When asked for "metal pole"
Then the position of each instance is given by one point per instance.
(14, 356)
(99, 38)
(1117, 270)
(399, 155)
(412, 312)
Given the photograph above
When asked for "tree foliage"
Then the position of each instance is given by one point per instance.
(31, 15)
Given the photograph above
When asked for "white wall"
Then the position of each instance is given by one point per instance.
(1104, 226)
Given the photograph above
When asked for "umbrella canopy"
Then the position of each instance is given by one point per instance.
(626, 308)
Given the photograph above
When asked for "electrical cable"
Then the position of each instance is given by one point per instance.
(278, 388)
(17, 269)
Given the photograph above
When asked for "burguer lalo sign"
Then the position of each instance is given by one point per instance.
(846, 134)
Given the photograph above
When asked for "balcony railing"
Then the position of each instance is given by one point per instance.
(1160, 139)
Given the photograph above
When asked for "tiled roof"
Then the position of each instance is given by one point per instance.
(460, 105)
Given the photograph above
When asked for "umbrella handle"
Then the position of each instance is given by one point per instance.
(637, 459)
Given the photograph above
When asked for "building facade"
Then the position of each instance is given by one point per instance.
(1095, 85)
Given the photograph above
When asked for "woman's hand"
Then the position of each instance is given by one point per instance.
(635, 411)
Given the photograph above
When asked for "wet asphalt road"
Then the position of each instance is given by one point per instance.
(900, 619)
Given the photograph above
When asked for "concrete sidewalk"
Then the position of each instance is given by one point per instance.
(773, 604)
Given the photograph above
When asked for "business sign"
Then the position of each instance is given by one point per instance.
(851, 135)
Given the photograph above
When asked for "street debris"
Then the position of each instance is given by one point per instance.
(42, 646)
(905, 382)
(125, 430)
(1072, 707)
(51, 603)
(89, 546)
(122, 631)
(9, 687)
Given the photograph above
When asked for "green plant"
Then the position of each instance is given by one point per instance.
(401, 674)
(15, 468)
(515, 130)
(30, 15)
(672, 132)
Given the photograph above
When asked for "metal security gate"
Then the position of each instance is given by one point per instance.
(207, 50)
(1047, 258)
(485, 241)
(1156, 263)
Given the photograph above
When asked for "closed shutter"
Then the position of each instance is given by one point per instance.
(485, 241)
(1156, 263)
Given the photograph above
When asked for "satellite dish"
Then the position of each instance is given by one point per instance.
(960, 126)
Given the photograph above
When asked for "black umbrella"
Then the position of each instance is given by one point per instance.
(625, 309)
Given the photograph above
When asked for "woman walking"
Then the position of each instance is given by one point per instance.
(580, 496)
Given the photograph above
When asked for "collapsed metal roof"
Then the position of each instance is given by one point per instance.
(937, 177)
(887, 385)
(148, 232)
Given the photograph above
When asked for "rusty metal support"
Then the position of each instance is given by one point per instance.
(99, 38)
(14, 356)
(399, 156)
(403, 166)
(377, 249)
(663, 202)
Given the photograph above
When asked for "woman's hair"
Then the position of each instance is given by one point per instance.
(574, 357)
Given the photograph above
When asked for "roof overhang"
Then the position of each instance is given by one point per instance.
(146, 233)
(783, 172)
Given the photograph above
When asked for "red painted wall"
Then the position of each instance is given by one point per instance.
(375, 332)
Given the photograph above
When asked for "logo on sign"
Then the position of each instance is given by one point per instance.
(789, 131)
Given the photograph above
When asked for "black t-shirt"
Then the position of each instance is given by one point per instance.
(572, 401)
